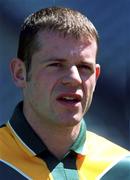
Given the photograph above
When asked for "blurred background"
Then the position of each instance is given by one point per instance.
(110, 112)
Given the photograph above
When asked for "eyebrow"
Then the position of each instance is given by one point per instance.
(53, 59)
(88, 63)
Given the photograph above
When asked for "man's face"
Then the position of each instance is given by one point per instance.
(62, 79)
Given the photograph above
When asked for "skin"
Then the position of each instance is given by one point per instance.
(61, 68)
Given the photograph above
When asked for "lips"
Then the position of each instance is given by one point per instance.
(70, 98)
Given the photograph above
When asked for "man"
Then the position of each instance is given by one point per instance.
(56, 69)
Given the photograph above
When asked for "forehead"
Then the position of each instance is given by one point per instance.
(54, 42)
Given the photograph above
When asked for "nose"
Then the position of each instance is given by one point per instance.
(72, 77)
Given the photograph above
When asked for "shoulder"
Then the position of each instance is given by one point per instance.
(101, 146)
(5, 139)
(4, 133)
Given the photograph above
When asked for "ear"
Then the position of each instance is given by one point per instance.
(98, 69)
(18, 72)
(97, 75)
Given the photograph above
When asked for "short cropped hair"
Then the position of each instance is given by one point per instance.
(53, 19)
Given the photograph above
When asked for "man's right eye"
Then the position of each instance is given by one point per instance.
(56, 64)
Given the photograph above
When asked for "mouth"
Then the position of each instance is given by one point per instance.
(69, 98)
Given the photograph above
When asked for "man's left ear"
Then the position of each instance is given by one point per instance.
(98, 69)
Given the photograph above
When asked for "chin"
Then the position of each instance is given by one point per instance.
(71, 122)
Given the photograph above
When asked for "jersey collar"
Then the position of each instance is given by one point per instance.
(79, 145)
(26, 136)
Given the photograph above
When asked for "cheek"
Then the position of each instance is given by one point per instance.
(89, 85)
(45, 82)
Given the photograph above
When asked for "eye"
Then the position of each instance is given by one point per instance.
(55, 64)
(85, 67)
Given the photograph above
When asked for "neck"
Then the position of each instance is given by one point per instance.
(58, 139)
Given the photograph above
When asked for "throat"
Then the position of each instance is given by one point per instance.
(59, 143)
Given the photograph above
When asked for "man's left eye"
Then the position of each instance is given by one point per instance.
(85, 67)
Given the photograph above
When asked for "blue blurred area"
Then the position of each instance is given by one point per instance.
(109, 113)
